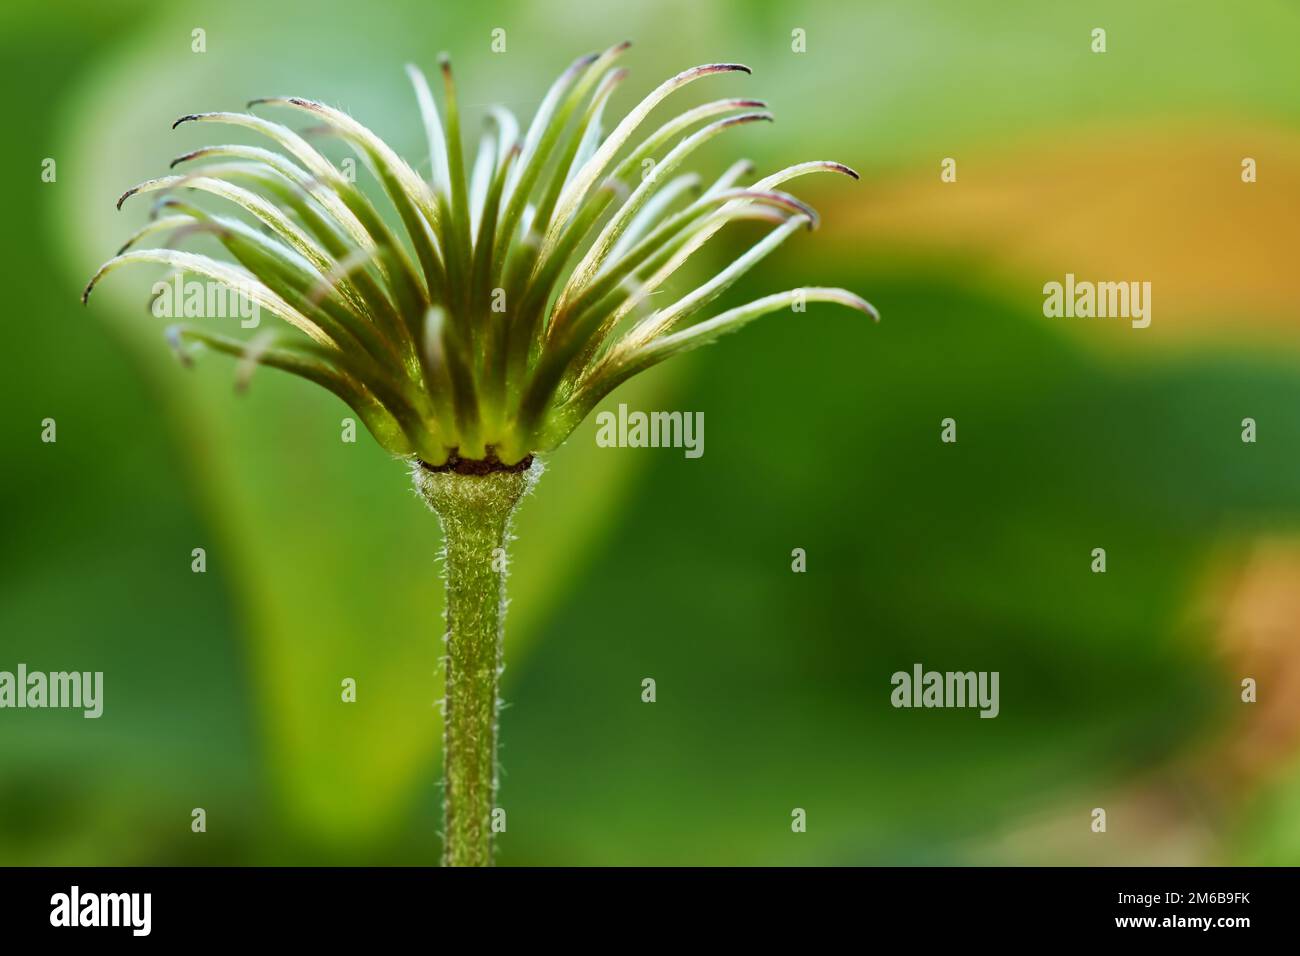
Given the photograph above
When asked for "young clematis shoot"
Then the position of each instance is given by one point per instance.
(508, 297)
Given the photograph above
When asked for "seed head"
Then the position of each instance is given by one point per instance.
(514, 296)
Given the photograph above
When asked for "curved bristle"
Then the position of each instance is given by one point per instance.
(285, 101)
(173, 336)
(856, 302)
(253, 352)
(764, 117)
(616, 188)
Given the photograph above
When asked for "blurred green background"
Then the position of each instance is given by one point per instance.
(1118, 690)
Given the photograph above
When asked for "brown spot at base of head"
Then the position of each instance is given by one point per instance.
(476, 466)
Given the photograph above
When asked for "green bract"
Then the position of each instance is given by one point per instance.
(516, 295)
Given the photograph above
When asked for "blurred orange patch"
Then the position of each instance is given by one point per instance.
(1168, 206)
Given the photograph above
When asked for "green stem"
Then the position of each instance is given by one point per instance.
(475, 511)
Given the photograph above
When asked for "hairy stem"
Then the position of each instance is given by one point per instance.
(475, 511)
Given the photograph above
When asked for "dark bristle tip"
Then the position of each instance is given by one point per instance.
(187, 118)
(125, 196)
